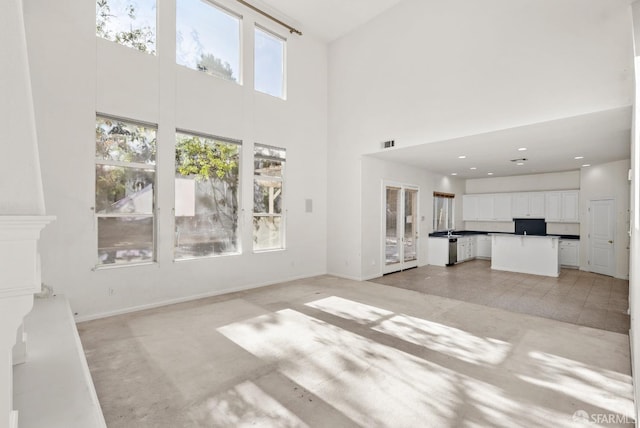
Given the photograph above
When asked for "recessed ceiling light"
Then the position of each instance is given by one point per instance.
(462, 157)
(473, 168)
(520, 163)
(454, 173)
(586, 165)
(489, 173)
(579, 157)
(522, 149)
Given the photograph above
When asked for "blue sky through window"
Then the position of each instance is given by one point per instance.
(201, 29)
(269, 63)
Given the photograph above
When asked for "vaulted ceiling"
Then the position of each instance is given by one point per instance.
(327, 19)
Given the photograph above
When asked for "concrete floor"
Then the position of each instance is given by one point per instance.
(328, 352)
(578, 297)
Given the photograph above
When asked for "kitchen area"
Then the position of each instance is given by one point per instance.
(530, 248)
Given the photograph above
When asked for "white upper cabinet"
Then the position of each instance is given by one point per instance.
(487, 207)
(470, 207)
(537, 204)
(555, 207)
(563, 206)
(571, 206)
(520, 205)
(502, 207)
(528, 205)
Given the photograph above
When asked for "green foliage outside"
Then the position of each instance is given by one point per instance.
(142, 38)
(215, 163)
(213, 65)
(121, 142)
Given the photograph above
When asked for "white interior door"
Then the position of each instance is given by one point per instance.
(602, 234)
(400, 216)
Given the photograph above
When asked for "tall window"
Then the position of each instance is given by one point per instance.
(207, 183)
(128, 22)
(268, 222)
(269, 63)
(443, 211)
(125, 194)
(208, 39)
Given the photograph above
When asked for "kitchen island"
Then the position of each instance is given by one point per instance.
(537, 255)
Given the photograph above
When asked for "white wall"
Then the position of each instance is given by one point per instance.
(634, 268)
(20, 180)
(76, 75)
(524, 183)
(428, 71)
(607, 181)
(375, 172)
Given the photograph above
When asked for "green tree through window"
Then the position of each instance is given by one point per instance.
(128, 23)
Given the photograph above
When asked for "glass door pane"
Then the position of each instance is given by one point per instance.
(410, 224)
(392, 234)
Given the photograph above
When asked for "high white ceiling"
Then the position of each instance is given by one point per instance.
(551, 147)
(326, 19)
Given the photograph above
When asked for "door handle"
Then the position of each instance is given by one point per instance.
(610, 242)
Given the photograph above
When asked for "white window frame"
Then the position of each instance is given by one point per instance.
(284, 60)
(240, 19)
(133, 165)
(450, 214)
(239, 230)
(283, 210)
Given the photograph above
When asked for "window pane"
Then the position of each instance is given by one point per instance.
(125, 240)
(267, 197)
(269, 63)
(442, 213)
(125, 142)
(267, 167)
(128, 22)
(124, 190)
(206, 196)
(276, 153)
(392, 250)
(208, 39)
(267, 233)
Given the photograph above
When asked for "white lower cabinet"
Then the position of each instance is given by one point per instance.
(483, 248)
(569, 253)
(462, 249)
(470, 247)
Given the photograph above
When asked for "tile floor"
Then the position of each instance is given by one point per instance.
(577, 297)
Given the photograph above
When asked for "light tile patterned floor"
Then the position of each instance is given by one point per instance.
(578, 297)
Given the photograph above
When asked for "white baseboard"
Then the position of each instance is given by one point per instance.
(13, 419)
(339, 275)
(190, 298)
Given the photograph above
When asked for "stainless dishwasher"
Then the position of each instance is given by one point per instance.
(453, 251)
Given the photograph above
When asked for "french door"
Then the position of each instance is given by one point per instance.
(400, 226)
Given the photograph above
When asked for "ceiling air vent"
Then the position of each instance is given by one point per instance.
(388, 144)
(519, 160)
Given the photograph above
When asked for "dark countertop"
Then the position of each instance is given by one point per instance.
(476, 232)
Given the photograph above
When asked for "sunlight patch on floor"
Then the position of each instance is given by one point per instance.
(246, 405)
(595, 386)
(438, 337)
(380, 386)
(371, 383)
